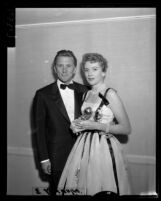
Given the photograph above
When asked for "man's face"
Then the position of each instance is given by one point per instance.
(65, 68)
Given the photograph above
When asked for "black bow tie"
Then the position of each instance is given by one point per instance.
(70, 86)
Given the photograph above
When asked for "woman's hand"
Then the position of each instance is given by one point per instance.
(75, 126)
(86, 125)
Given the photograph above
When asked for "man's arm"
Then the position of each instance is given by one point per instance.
(40, 124)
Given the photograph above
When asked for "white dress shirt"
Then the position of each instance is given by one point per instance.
(68, 99)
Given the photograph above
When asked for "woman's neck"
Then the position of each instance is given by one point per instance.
(98, 88)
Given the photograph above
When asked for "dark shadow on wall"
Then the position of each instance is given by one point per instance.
(123, 139)
(42, 176)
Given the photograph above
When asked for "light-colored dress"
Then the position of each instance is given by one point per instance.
(96, 162)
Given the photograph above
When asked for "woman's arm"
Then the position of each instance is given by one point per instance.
(123, 126)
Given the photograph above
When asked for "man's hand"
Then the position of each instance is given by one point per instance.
(46, 167)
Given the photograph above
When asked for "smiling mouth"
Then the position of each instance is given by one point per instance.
(90, 79)
(64, 75)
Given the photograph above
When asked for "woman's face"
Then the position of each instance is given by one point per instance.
(93, 73)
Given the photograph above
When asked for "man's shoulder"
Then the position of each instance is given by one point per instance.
(81, 87)
(46, 88)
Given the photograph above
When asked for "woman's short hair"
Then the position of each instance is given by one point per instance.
(93, 58)
(65, 53)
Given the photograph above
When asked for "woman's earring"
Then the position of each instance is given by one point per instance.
(103, 74)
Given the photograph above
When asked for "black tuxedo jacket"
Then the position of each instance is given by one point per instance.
(54, 136)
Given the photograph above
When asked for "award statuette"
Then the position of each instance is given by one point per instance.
(87, 113)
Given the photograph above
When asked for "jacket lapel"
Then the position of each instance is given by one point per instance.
(59, 102)
(78, 103)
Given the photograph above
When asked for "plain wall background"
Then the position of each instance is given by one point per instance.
(129, 46)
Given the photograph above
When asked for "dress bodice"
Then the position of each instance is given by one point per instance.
(106, 114)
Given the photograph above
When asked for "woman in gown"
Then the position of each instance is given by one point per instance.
(96, 162)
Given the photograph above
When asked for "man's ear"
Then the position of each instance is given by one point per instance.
(54, 72)
(55, 69)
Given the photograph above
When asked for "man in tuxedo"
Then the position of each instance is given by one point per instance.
(56, 105)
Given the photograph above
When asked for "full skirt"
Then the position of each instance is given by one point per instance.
(96, 163)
